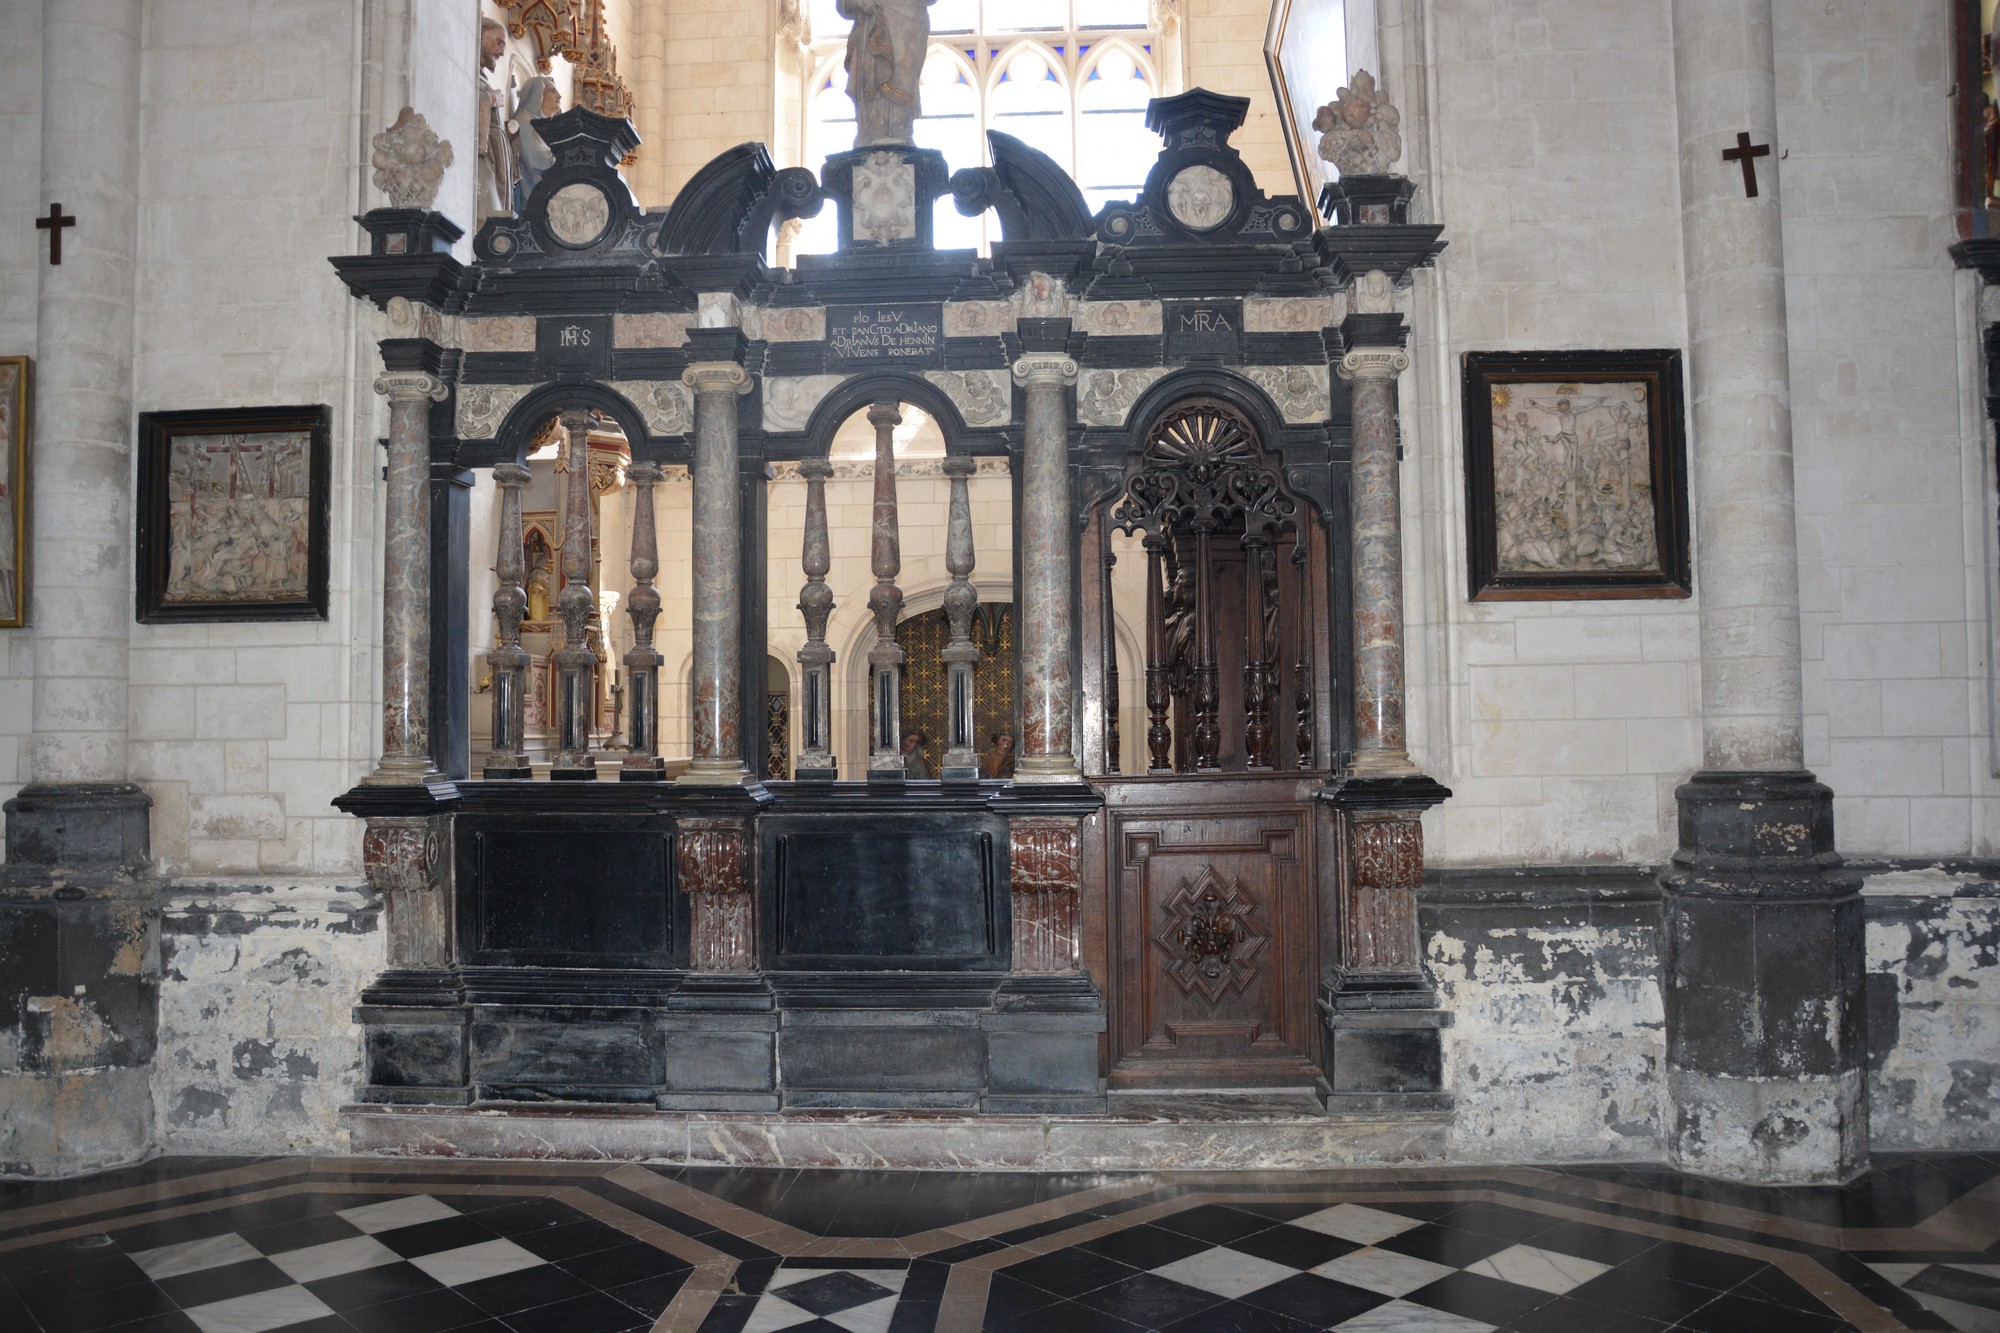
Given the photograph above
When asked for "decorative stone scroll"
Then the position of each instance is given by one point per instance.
(483, 407)
(405, 860)
(1301, 392)
(1045, 865)
(790, 402)
(1105, 397)
(982, 397)
(667, 406)
(713, 861)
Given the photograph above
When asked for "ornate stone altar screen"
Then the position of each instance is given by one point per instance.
(719, 942)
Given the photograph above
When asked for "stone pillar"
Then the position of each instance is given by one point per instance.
(508, 662)
(717, 686)
(574, 663)
(885, 602)
(642, 660)
(961, 654)
(1764, 946)
(1375, 504)
(1047, 620)
(81, 970)
(406, 581)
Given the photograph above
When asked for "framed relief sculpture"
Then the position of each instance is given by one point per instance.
(1576, 475)
(233, 514)
(15, 404)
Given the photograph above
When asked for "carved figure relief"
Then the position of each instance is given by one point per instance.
(1300, 392)
(237, 521)
(976, 319)
(1120, 319)
(1572, 478)
(667, 406)
(789, 402)
(981, 396)
(885, 199)
(482, 407)
(578, 214)
(1105, 397)
(1207, 936)
(1201, 198)
(654, 329)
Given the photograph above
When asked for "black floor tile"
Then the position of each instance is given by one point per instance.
(1563, 1315)
(650, 1295)
(1148, 1300)
(137, 1237)
(1294, 1247)
(1064, 1317)
(530, 1287)
(1486, 1299)
(1773, 1287)
(1146, 1247)
(1318, 1301)
(287, 1208)
(1446, 1245)
(634, 1261)
(1070, 1272)
(593, 1312)
(104, 1270)
(1643, 1294)
(1602, 1245)
(1671, 1261)
(833, 1292)
(321, 1230)
(447, 1233)
(1007, 1298)
(1217, 1224)
(578, 1238)
(1955, 1284)
(173, 1321)
(1737, 1314)
(527, 1217)
(914, 1316)
(96, 1310)
(433, 1312)
(225, 1283)
(374, 1286)
(1235, 1317)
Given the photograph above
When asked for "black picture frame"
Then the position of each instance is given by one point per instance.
(1571, 527)
(160, 433)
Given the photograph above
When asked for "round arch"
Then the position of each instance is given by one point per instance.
(865, 390)
(1239, 391)
(516, 436)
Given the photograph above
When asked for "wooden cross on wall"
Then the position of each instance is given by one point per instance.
(1747, 154)
(53, 224)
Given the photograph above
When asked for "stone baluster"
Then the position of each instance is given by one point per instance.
(816, 759)
(575, 663)
(508, 661)
(1376, 519)
(1159, 673)
(717, 721)
(1048, 566)
(961, 655)
(406, 581)
(885, 600)
(642, 660)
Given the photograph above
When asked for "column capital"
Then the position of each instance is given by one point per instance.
(815, 469)
(717, 377)
(511, 474)
(410, 386)
(1046, 368)
(1374, 363)
(646, 474)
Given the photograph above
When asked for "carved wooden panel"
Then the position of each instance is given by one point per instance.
(1213, 932)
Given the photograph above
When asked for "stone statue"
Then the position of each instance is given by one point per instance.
(540, 98)
(1358, 129)
(885, 62)
(497, 168)
(409, 161)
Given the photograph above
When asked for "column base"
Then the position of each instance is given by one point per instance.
(403, 773)
(1384, 1043)
(715, 773)
(1047, 772)
(1764, 984)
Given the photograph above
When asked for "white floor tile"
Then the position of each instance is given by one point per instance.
(1351, 1221)
(1402, 1317)
(264, 1310)
(1544, 1270)
(874, 1317)
(774, 1313)
(455, 1268)
(1226, 1272)
(1381, 1270)
(193, 1256)
(395, 1213)
(337, 1257)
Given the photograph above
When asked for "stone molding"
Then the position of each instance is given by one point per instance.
(1374, 363)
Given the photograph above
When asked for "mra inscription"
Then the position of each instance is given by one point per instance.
(897, 334)
(1204, 328)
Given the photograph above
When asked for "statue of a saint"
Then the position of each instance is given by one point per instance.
(496, 151)
(885, 62)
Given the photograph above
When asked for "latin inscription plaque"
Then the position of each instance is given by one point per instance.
(1204, 328)
(885, 335)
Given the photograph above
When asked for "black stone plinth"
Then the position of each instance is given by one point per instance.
(92, 829)
(1384, 1046)
(1041, 1047)
(416, 1043)
(1764, 983)
(720, 1039)
(409, 231)
(1367, 201)
(932, 180)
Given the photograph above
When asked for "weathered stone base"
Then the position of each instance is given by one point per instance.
(71, 1124)
(1763, 1130)
(1153, 1133)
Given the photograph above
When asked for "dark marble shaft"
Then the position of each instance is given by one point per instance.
(1048, 560)
(816, 604)
(885, 600)
(1376, 514)
(406, 580)
(575, 663)
(508, 661)
(718, 578)
(642, 660)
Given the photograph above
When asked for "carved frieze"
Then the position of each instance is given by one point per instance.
(1105, 397)
(1045, 865)
(797, 324)
(1120, 319)
(1209, 941)
(501, 333)
(483, 407)
(1292, 314)
(656, 329)
(982, 397)
(789, 401)
(713, 859)
(1299, 391)
(977, 319)
(666, 404)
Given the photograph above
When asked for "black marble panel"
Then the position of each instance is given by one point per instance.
(924, 891)
(1204, 328)
(586, 892)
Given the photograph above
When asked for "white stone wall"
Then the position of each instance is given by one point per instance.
(23, 250)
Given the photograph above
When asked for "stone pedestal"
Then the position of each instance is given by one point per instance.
(1766, 1020)
(885, 195)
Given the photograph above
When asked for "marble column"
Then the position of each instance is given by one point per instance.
(1376, 516)
(717, 686)
(885, 602)
(406, 581)
(642, 660)
(508, 662)
(816, 759)
(1766, 1034)
(961, 603)
(574, 663)
(1047, 620)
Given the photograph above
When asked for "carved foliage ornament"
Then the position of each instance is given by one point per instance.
(1359, 131)
(1210, 943)
(410, 161)
(1202, 470)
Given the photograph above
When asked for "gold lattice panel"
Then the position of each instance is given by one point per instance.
(923, 638)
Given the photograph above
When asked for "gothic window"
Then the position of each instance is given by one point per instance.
(1070, 77)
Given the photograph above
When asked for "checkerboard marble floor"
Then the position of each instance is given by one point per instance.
(382, 1246)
